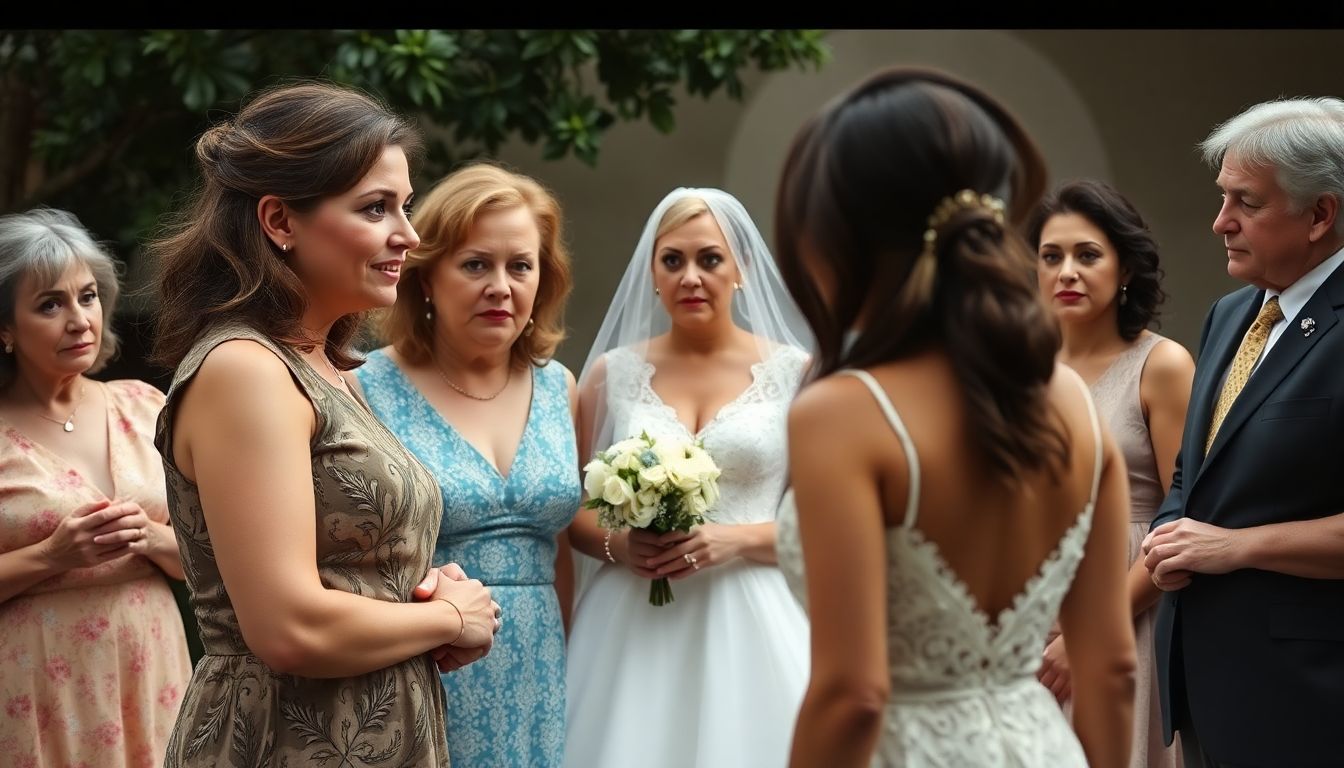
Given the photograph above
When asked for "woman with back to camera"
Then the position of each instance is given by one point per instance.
(952, 488)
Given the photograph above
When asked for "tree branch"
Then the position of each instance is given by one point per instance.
(16, 136)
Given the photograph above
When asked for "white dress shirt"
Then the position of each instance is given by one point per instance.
(1295, 297)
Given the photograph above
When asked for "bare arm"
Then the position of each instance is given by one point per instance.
(585, 535)
(1164, 391)
(564, 555)
(162, 549)
(1096, 619)
(841, 526)
(243, 430)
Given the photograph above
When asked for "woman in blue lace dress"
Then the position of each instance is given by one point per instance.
(468, 386)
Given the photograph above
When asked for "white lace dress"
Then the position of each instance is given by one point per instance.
(714, 678)
(963, 689)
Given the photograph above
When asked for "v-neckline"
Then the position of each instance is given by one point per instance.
(57, 459)
(457, 435)
(647, 381)
(994, 625)
(1114, 365)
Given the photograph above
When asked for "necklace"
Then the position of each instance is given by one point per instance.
(335, 372)
(508, 375)
(69, 424)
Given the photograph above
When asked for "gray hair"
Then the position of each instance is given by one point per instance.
(44, 243)
(1302, 139)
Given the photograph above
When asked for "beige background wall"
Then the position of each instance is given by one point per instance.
(1124, 106)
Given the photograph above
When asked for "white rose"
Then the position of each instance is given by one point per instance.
(703, 463)
(654, 476)
(595, 477)
(628, 461)
(709, 488)
(667, 452)
(616, 491)
(683, 473)
(628, 445)
(695, 503)
(648, 498)
(640, 515)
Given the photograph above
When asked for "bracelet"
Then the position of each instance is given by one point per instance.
(606, 544)
(461, 621)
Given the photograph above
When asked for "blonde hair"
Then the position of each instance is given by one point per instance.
(444, 221)
(679, 213)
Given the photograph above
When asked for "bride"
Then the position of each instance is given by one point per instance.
(701, 343)
(953, 491)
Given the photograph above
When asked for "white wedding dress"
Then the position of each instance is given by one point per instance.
(715, 678)
(964, 691)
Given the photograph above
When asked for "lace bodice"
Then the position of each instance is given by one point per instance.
(747, 437)
(964, 688)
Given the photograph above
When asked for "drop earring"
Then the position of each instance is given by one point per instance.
(1124, 294)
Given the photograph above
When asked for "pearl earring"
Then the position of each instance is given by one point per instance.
(429, 309)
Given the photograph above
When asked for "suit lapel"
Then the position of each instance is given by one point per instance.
(1223, 344)
(1285, 355)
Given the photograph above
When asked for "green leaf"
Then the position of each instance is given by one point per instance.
(94, 71)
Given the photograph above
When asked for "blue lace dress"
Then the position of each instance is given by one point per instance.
(507, 709)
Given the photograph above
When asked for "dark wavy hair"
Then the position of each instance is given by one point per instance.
(1109, 211)
(861, 181)
(304, 143)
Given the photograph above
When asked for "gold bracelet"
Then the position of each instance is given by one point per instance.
(460, 620)
(606, 544)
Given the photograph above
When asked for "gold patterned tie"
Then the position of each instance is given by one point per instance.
(1252, 344)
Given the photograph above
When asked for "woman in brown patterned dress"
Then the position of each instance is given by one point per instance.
(305, 526)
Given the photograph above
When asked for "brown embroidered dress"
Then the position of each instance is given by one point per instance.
(376, 517)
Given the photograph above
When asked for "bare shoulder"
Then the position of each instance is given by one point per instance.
(1168, 363)
(245, 382)
(829, 403)
(1068, 392)
(242, 363)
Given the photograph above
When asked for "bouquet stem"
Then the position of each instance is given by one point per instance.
(660, 592)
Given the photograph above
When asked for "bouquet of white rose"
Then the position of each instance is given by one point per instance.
(658, 485)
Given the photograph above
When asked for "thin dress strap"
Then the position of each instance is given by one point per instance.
(894, 419)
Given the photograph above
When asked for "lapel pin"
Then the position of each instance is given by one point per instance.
(1308, 326)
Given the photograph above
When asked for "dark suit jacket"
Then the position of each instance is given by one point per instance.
(1258, 657)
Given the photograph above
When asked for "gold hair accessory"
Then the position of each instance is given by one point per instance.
(966, 199)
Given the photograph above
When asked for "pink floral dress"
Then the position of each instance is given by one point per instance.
(93, 662)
